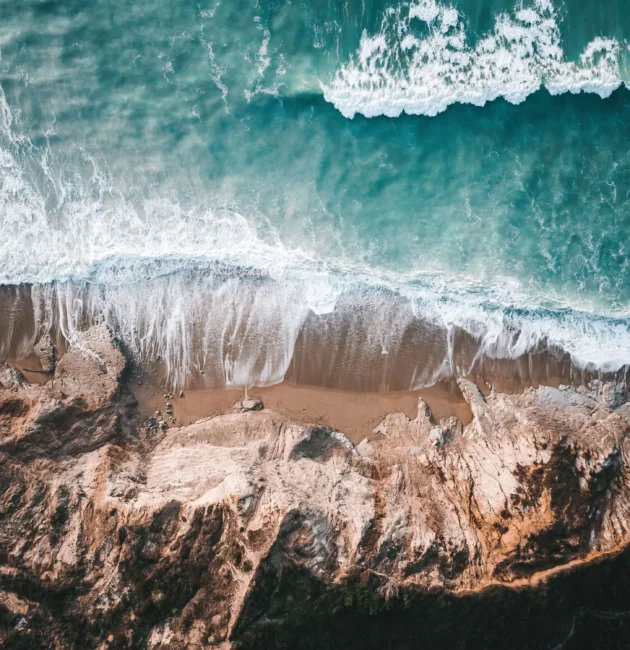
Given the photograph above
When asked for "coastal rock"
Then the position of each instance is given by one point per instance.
(45, 350)
(249, 530)
(249, 404)
(91, 367)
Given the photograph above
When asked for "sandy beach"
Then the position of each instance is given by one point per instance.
(356, 414)
(332, 383)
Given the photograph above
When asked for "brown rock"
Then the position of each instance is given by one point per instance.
(245, 529)
(47, 353)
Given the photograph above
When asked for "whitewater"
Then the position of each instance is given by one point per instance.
(395, 70)
(219, 213)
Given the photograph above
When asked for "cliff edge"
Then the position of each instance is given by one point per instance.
(248, 530)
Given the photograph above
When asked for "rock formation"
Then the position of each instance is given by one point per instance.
(247, 530)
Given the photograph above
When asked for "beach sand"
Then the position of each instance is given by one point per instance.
(356, 414)
(331, 382)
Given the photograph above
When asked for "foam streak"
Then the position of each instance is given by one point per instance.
(396, 70)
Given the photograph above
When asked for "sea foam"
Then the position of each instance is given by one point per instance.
(234, 329)
(215, 290)
(398, 70)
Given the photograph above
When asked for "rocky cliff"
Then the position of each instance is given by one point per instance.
(247, 530)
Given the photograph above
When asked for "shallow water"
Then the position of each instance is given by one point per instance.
(190, 172)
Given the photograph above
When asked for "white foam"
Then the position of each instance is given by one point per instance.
(242, 330)
(395, 70)
(198, 286)
(216, 74)
(56, 228)
(509, 327)
(591, 341)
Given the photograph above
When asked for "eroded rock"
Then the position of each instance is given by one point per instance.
(249, 404)
(46, 351)
(248, 530)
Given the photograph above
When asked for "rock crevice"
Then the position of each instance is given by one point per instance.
(249, 530)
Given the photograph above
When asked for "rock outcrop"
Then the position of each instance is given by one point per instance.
(247, 530)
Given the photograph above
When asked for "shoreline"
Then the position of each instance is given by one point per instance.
(356, 414)
(198, 335)
(334, 378)
(237, 517)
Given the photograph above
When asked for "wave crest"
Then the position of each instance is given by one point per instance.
(400, 69)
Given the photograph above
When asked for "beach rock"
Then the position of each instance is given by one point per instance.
(437, 436)
(249, 530)
(364, 448)
(47, 353)
(91, 367)
(250, 404)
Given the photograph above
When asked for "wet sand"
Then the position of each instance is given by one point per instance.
(355, 414)
(351, 349)
(333, 379)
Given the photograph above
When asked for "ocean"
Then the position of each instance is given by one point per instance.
(363, 193)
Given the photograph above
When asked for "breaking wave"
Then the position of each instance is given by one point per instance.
(214, 291)
(423, 71)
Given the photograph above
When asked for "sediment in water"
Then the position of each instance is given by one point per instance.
(213, 335)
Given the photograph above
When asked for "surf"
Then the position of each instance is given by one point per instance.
(423, 59)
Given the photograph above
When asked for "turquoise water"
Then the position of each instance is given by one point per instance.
(250, 165)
